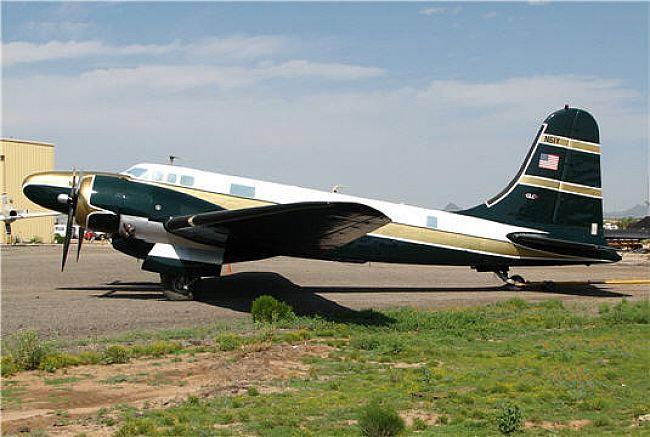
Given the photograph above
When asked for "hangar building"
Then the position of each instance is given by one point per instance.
(19, 158)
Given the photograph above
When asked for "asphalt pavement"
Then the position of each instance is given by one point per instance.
(107, 293)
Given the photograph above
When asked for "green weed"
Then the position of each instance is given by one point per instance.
(25, 350)
(267, 309)
(228, 341)
(510, 419)
(116, 354)
(376, 420)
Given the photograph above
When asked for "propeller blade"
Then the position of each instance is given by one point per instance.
(68, 237)
(82, 235)
(72, 205)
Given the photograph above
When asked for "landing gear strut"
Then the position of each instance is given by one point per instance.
(177, 286)
(514, 282)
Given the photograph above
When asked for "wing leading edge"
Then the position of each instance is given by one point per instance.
(294, 229)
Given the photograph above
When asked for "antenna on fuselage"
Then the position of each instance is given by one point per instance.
(172, 158)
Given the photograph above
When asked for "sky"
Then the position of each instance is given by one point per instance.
(421, 103)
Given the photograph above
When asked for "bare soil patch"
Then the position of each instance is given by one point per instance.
(66, 403)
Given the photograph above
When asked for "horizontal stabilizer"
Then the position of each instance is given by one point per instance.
(564, 247)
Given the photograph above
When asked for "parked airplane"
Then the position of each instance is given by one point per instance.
(186, 223)
(9, 215)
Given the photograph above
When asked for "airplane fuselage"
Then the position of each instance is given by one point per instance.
(153, 193)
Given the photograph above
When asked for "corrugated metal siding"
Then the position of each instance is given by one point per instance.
(22, 158)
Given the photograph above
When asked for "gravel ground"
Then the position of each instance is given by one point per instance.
(107, 293)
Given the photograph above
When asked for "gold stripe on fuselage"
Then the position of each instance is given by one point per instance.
(460, 241)
(227, 201)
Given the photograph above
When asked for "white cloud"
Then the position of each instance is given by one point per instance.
(301, 68)
(108, 119)
(168, 79)
(490, 15)
(435, 10)
(57, 29)
(234, 47)
(240, 47)
(25, 52)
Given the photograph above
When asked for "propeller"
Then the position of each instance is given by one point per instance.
(72, 201)
(82, 237)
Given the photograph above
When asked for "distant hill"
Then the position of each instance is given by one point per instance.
(452, 207)
(639, 210)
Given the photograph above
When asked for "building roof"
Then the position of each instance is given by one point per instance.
(37, 143)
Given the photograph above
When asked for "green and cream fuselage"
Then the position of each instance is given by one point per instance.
(550, 214)
(414, 236)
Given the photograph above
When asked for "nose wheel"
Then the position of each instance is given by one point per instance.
(177, 287)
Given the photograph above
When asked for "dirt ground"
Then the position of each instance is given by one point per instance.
(107, 293)
(70, 403)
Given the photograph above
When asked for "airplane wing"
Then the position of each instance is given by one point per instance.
(27, 215)
(289, 229)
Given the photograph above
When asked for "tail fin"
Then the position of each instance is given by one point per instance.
(558, 187)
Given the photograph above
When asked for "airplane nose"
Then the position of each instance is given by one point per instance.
(48, 188)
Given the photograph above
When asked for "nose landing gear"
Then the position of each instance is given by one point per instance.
(178, 287)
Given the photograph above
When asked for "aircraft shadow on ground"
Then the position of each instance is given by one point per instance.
(237, 292)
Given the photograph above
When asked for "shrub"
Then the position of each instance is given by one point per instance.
(116, 354)
(267, 309)
(35, 240)
(376, 420)
(156, 349)
(419, 424)
(26, 350)
(8, 366)
(52, 362)
(510, 419)
(228, 341)
(252, 391)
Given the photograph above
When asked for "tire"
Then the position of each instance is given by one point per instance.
(177, 287)
(518, 280)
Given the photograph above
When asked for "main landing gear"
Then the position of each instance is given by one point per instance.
(514, 282)
(178, 286)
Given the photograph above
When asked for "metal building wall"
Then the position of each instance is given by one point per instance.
(18, 159)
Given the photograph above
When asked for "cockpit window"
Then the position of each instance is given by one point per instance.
(136, 171)
(188, 181)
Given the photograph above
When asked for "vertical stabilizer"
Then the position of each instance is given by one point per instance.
(558, 187)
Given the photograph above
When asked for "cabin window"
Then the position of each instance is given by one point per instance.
(171, 178)
(432, 222)
(242, 190)
(186, 180)
(157, 175)
(136, 172)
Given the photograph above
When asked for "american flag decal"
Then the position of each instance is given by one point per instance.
(549, 161)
